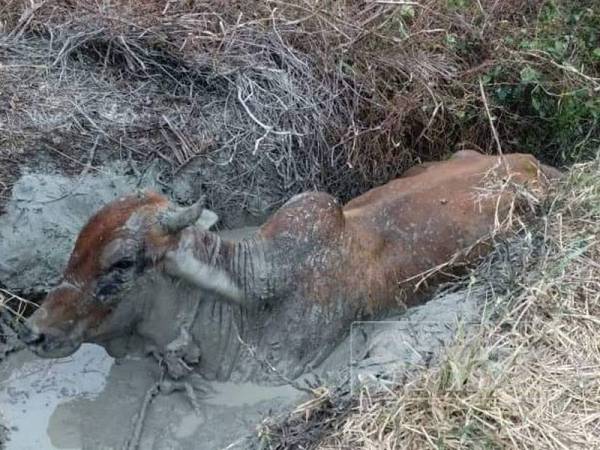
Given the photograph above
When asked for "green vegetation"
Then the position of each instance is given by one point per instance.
(551, 84)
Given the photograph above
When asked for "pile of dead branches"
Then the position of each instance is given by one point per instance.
(263, 99)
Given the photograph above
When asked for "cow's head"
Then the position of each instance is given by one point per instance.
(119, 243)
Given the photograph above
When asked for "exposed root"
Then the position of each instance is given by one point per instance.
(134, 442)
(164, 387)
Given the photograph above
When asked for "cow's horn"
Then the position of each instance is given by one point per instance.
(180, 218)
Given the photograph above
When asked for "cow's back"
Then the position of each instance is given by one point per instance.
(420, 221)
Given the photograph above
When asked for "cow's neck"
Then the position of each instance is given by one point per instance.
(217, 325)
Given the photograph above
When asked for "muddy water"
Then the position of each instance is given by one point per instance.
(32, 389)
(88, 401)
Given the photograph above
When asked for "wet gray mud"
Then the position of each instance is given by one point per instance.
(90, 400)
(43, 217)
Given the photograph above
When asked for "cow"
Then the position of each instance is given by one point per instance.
(144, 273)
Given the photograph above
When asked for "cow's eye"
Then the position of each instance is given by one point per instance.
(123, 264)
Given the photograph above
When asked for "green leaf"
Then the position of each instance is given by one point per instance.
(529, 75)
(560, 47)
(451, 40)
(537, 105)
(596, 53)
(407, 11)
(502, 93)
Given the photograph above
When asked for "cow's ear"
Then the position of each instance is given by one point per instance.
(207, 219)
(184, 266)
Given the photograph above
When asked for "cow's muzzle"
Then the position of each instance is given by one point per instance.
(47, 344)
(31, 338)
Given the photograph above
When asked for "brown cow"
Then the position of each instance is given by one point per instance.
(291, 290)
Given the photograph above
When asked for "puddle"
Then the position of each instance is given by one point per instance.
(29, 395)
(88, 401)
(240, 394)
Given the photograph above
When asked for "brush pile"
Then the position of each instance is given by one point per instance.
(267, 99)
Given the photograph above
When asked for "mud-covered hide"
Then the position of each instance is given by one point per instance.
(287, 295)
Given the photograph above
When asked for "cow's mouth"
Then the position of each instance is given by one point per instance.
(48, 345)
(54, 348)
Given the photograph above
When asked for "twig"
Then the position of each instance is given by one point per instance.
(164, 387)
(139, 418)
(398, 2)
(22, 66)
(489, 116)
(75, 160)
(82, 174)
(7, 296)
(267, 128)
(25, 19)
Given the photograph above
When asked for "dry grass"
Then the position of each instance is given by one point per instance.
(13, 311)
(529, 379)
(14, 304)
(269, 98)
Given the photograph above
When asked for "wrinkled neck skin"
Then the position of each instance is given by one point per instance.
(237, 270)
(186, 325)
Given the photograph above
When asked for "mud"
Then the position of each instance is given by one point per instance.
(43, 217)
(47, 210)
(87, 401)
(385, 352)
(90, 400)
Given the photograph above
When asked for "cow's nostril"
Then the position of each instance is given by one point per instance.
(32, 338)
